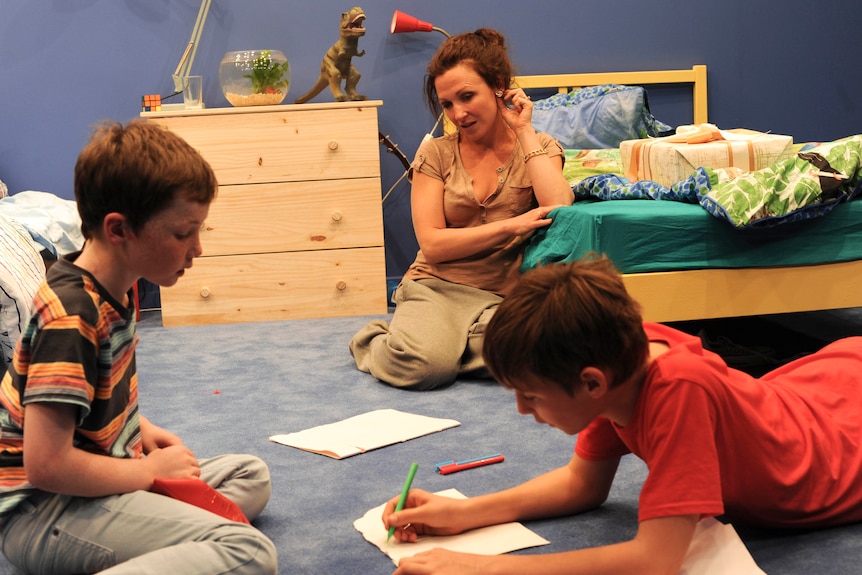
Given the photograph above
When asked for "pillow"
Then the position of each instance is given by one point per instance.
(597, 117)
(21, 272)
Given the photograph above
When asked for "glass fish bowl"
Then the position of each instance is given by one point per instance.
(254, 77)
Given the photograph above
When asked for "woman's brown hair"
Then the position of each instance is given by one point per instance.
(485, 50)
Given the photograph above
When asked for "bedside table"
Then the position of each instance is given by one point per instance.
(296, 230)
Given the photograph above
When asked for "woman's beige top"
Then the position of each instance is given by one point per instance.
(495, 270)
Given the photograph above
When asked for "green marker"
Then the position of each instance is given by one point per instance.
(401, 500)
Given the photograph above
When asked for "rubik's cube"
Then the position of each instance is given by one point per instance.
(151, 103)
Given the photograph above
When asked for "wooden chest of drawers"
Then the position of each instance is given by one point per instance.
(296, 230)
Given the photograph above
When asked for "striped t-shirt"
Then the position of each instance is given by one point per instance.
(77, 349)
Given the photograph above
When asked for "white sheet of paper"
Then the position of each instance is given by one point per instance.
(716, 549)
(493, 540)
(364, 432)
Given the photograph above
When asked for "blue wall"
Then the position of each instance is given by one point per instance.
(788, 66)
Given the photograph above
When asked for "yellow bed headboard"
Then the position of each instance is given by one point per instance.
(567, 82)
(564, 83)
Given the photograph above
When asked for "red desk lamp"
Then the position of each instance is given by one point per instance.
(402, 23)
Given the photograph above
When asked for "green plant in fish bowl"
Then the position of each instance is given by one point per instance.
(254, 77)
(267, 75)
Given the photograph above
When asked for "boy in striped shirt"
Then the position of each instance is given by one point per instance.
(77, 459)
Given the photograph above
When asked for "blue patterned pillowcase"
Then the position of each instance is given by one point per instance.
(597, 117)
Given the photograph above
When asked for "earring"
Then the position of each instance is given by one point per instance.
(499, 93)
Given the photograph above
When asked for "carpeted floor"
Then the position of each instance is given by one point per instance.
(227, 388)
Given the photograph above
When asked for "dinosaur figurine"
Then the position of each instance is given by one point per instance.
(336, 66)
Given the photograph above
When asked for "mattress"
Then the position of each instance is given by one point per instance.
(652, 236)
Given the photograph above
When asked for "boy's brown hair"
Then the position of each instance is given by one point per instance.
(561, 318)
(137, 170)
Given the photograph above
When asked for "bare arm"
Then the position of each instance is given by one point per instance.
(440, 243)
(659, 548)
(52, 463)
(546, 173)
(578, 486)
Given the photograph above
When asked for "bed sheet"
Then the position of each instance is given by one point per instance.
(21, 272)
(652, 236)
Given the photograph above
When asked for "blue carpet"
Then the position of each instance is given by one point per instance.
(227, 388)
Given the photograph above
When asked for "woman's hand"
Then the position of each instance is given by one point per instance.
(529, 221)
(520, 114)
(424, 514)
(442, 562)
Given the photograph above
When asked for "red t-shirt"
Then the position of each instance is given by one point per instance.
(781, 450)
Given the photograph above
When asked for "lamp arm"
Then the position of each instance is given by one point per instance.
(188, 57)
(180, 71)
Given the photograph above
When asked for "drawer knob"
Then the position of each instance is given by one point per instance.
(205, 292)
(341, 285)
(336, 216)
(333, 144)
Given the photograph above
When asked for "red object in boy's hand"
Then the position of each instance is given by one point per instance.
(198, 493)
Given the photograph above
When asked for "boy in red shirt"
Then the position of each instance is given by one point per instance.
(781, 451)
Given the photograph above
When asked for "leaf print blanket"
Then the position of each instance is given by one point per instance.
(804, 186)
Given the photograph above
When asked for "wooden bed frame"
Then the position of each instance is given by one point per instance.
(717, 293)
